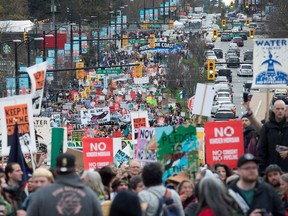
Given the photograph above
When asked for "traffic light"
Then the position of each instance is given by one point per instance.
(211, 69)
(247, 5)
(231, 4)
(223, 22)
(80, 72)
(124, 40)
(138, 69)
(252, 33)
(247, 21)
(152, 41)
(215, 34)
(188, 7)
(171, 24)
(25, 37)
(145, 24)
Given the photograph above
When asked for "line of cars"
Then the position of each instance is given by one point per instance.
(223, 108)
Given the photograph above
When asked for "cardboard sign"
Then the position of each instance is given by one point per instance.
(76, 137)
(138, 119)
(17, 108)
(99, 152)
(37, 74)
(177, 149)
(203, 100)
(146, 144)
(224, 142)
(42, 134)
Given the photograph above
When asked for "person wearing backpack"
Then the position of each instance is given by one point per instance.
(156, 200)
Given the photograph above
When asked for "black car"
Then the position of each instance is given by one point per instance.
(225, 72)
(243, 36)
(224, 116)
(248, 55)
(218, 52)
(233, 61)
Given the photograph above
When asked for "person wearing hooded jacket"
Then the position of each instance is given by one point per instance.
(66, 196)
(273, 145)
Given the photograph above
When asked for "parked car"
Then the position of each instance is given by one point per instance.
(233, 62)
(221, 86)
(245, 70)
(243, 35)
(222, 95)
(239, 41)
(229, 54)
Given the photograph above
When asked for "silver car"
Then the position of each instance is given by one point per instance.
(245, 70)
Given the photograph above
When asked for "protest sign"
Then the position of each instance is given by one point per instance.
(138, 119)
(177, 149)
(96, 115)
(147, 146)
(76, 137)
(99, 152)
(224, 142)
(201, 147)
(58, 143)
(121, 158)
(128, 147)
(42, 134)
(203, 101)
(12, 109)
(37, 74)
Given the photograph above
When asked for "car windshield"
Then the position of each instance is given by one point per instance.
(246, 67)
(234, 60)
(224, 115)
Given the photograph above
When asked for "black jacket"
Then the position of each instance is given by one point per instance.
(272, 134)
(248, 134)
(265, 197)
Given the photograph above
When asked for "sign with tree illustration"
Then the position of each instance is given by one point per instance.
(177, 149)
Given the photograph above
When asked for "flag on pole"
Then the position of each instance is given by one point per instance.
(16, 156)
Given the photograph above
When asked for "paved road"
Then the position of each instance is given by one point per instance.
(237, 82)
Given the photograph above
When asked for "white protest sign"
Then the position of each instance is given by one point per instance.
(270, 65)
(203, 100)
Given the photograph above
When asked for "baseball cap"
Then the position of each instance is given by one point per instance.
(246, 158)
(65, 163)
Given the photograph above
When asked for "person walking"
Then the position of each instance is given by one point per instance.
(68, 195)
(254, 197)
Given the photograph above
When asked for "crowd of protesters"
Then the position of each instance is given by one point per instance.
(135, 190)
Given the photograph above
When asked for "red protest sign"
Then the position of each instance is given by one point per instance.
(223, 142)
(97, 152)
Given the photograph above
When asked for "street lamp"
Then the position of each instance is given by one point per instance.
(16, 65)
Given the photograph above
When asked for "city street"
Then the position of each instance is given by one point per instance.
(237, 81)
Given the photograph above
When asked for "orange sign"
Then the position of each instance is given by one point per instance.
(17, 113)
(139, 122)
(39, 79)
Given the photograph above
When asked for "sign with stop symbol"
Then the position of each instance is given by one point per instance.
(191, 103)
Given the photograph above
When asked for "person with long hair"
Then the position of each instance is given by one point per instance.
(93, 180)
(214, 199)
(284, 189)
(223, 171)
(185, 191)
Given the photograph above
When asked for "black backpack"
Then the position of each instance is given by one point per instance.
(167, 206)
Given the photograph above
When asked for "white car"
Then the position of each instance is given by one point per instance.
(216, 105)
(245, 70)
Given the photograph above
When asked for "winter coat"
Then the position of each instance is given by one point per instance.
(67, 196)
(265, 197)
(273, 133)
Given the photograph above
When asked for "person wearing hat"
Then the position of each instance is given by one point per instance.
(254, 197)
(68, 195)
(272, 177)
(248, 131)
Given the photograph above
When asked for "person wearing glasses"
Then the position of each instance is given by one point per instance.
(254, 197)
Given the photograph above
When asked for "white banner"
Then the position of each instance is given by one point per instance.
(37, 74)
(12, 109)
(97, 115)
(270, 65)
(140, 81)
(42, 134)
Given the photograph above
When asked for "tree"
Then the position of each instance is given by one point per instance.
(13, 9)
